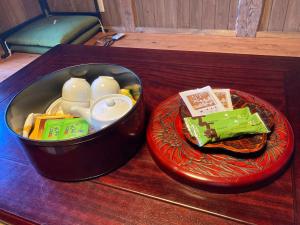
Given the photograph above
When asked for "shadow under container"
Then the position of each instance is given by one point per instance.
(86, 157)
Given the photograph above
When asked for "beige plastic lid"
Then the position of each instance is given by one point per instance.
(111, 107)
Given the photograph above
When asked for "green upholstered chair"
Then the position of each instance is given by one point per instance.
(45, 33)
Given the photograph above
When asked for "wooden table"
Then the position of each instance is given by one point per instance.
(139, 192)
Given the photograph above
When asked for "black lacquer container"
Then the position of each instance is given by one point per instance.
(89, 156)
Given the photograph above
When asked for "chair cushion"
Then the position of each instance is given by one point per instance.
(86, 35)
(29, 49)
(41, 49)
(53, 30)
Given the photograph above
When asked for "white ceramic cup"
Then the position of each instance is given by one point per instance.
(75, 92)
(103, 85)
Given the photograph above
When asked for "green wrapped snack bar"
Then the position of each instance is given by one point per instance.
(61, 129)
(206, 130)
(231, 114)
(221, 116)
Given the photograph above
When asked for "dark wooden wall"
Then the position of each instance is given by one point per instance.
(14, 12)
(200, 14)
(277, 15)
(281, 15)
(111, 16)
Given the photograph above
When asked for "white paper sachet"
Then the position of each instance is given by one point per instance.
(224, 97)
(202, 101)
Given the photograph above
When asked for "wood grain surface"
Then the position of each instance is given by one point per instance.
(265, 43)
(292, 21)
(148, 13)
(14, 63)
(293, 95)
(265, 17)
(112, 15)
(183, 12)
(278, 15)
(226, 42)
(208, 14)
(222, 14)
(248, 18)
(127, 15)
(232, 14)
(71, 6)
(195, 14)
(139, 192)
(159, 7)
(15, 12)
(139, 16)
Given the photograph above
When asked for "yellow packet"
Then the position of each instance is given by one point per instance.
(135, 90)
(127, 93)
(39, 124)
(28, 125)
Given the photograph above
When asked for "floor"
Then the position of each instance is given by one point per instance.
(14, 63)
(218, 41)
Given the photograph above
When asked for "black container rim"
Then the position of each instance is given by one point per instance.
(82, 139)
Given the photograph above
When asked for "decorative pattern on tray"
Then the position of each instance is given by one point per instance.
(176, 154)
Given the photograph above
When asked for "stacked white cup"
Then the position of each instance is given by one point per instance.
(75, 92)
(103, 85)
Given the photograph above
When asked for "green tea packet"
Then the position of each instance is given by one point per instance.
(211, 128)
(221, 116)
(62, 129)
(231, 114)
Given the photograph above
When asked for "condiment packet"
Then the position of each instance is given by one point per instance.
(29, 122)
(62, 129)
(127, 93)
(225, 98)
(206, 130)
(39, 124)
(201, 101)
(135, 90)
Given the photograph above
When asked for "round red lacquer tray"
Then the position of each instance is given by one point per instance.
(215, 170)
